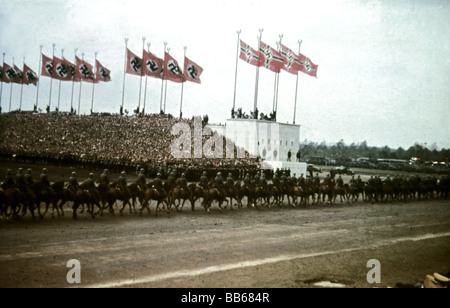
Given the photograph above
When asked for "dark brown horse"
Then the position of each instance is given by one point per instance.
(211, 195)
(86, 196)
(196, 192)
(180, 194)
(153, 194)
(45, 194)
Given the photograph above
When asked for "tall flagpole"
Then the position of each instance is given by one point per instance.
(73, 82)
(124, 71)
(1, 85)
(93, 84)
(296, 87)
(278, 80)
(21, 89)
(162, 79)
(59, 91)
(79, 94)
(145, 89)
(10, 91)
(165, 86)
(142, 72)
(255, 108)
(39, 78)
(51, 79)
(182, 84)
(235, 73)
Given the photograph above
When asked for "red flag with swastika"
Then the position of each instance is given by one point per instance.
(134, 64)
(192, 71)
(172, 70)
(153, 66)
(61, 69)
(29, 76)
(101, 72)
(84, 71)
(47, 66)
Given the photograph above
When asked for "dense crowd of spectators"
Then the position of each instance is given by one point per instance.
(102, 140)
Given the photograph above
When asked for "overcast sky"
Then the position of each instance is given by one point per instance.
(383, 77)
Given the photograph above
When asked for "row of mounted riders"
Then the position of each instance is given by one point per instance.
(23, 193)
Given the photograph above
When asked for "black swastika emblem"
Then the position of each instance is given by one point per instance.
(152, 66)
(136, 64)
(49, 67)
(193, 72)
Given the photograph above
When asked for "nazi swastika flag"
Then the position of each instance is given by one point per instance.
(153, 66)
(134, 64)
(47, 66)
(101, 72)
(172, 70)
(192, 71)
(84, 71)
(29, 76)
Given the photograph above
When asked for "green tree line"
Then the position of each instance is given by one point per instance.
(354, 150)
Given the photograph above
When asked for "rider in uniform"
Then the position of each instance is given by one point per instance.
(27, 178)
(203, 183)
(182, 182)
(218, 183)
(104, 178)
(340, 182)
(44, 181)
(90, 183)
(73, 183)
(9, 181)
(263, 181)
(158, 185)
(301, 181)
(141, 182)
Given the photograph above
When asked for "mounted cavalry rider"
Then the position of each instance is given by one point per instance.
(27, 178)
(121, 183)
(230, 181)
(203, 183)
(301, 181)
(9, 181)
(247, 181)
(141, 182)
(276, 182)
(340, 182)
(104, 179)
(20, 179)
(263, 181)
(45, 183)
(90, 183)
(218, 184)
(182, 182)
(73, 183)
(158, 185)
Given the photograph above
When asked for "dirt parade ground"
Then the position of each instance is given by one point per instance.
(279, 247)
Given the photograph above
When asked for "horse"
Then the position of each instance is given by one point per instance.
(297, 192)
(12, 198)
(63, 193)
(340, 191)
(89, 196)
(324, 191)
(46, 195)
(211, 195)
(152, 193)
(135, 193)
(179, 193)
(197, 192)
